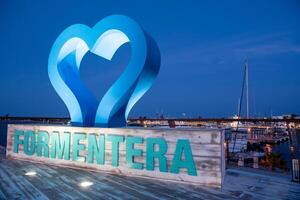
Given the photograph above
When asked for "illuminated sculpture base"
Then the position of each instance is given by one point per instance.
(193, 156)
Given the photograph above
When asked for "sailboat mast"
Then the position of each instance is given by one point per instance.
(238, 108)
(247, 86)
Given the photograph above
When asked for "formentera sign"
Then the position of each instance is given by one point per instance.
(191, 156)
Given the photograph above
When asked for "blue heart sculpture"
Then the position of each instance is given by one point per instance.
(103, 39)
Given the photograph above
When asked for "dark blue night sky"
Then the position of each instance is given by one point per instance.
(203, 47)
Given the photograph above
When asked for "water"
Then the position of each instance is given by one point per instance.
(283, 149)
(3, 133)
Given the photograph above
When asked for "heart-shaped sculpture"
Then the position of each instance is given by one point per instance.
(103, 39)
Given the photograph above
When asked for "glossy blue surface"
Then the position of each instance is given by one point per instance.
(103, 39)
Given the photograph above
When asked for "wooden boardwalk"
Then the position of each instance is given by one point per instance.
(53, 182)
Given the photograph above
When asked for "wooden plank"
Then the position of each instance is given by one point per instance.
(206, 145)
(17, 187)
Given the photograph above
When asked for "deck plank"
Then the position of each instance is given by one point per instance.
(53, 182)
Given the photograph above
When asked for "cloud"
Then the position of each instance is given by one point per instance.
(234, 48)
(269, 49)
